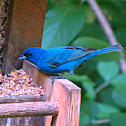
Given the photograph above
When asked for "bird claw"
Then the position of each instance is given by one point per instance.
(61, 76)
(57, 77)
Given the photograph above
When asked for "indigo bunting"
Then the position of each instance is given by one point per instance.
(61, 59)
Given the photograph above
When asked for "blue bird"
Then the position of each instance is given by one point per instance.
(62, 59)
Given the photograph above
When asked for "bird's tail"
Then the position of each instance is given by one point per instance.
(109, 49)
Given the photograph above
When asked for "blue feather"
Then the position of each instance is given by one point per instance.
(61, 59)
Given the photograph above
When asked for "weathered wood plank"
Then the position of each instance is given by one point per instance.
(25, 29)
(22, 98)
(28, 109)
(69, 96)
(39, 78)
(22, 121)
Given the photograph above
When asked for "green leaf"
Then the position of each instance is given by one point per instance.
(106, 96)
(108, 70)
(76, 78)
(105, 110)
(80, 78)
(112, 56)
(91, 108)
(94, 30)
(119, 96)
(120, 34)
(88, 68)
(119, 81)
(83, 1)
(89, 42)
(90, 94)
(118, 119)
(61, 26)
(84, 119)
(86, 83)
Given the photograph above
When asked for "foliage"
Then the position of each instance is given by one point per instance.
(72, 22)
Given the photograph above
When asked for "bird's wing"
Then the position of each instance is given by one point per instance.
(61, 55)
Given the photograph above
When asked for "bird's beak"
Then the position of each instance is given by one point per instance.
(22, 57)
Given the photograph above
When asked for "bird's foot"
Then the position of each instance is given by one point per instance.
(61, 76)
(57, 77)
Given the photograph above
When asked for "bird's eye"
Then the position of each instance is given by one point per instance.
(30, 54)
(24, 54)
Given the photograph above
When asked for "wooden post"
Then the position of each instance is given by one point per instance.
(69, 96)
(63, 91)
(25, 28)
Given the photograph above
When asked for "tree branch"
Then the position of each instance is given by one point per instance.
(98, 122)
(107, 30)
(101, 87)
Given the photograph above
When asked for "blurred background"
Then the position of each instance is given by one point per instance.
(103, 84)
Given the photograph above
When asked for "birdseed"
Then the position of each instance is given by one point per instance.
(19, 83)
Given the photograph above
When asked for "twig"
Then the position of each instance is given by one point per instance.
(101, 87)
(98, 122)
(107, 30)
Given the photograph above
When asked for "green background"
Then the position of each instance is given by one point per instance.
(72, 22)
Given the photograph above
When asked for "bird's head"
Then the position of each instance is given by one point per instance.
(32, 54)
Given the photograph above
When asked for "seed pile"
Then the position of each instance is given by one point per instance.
(18, 83)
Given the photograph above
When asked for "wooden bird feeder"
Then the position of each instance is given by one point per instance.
(61, 104)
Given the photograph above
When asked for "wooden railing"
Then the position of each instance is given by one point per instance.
(62, 101)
